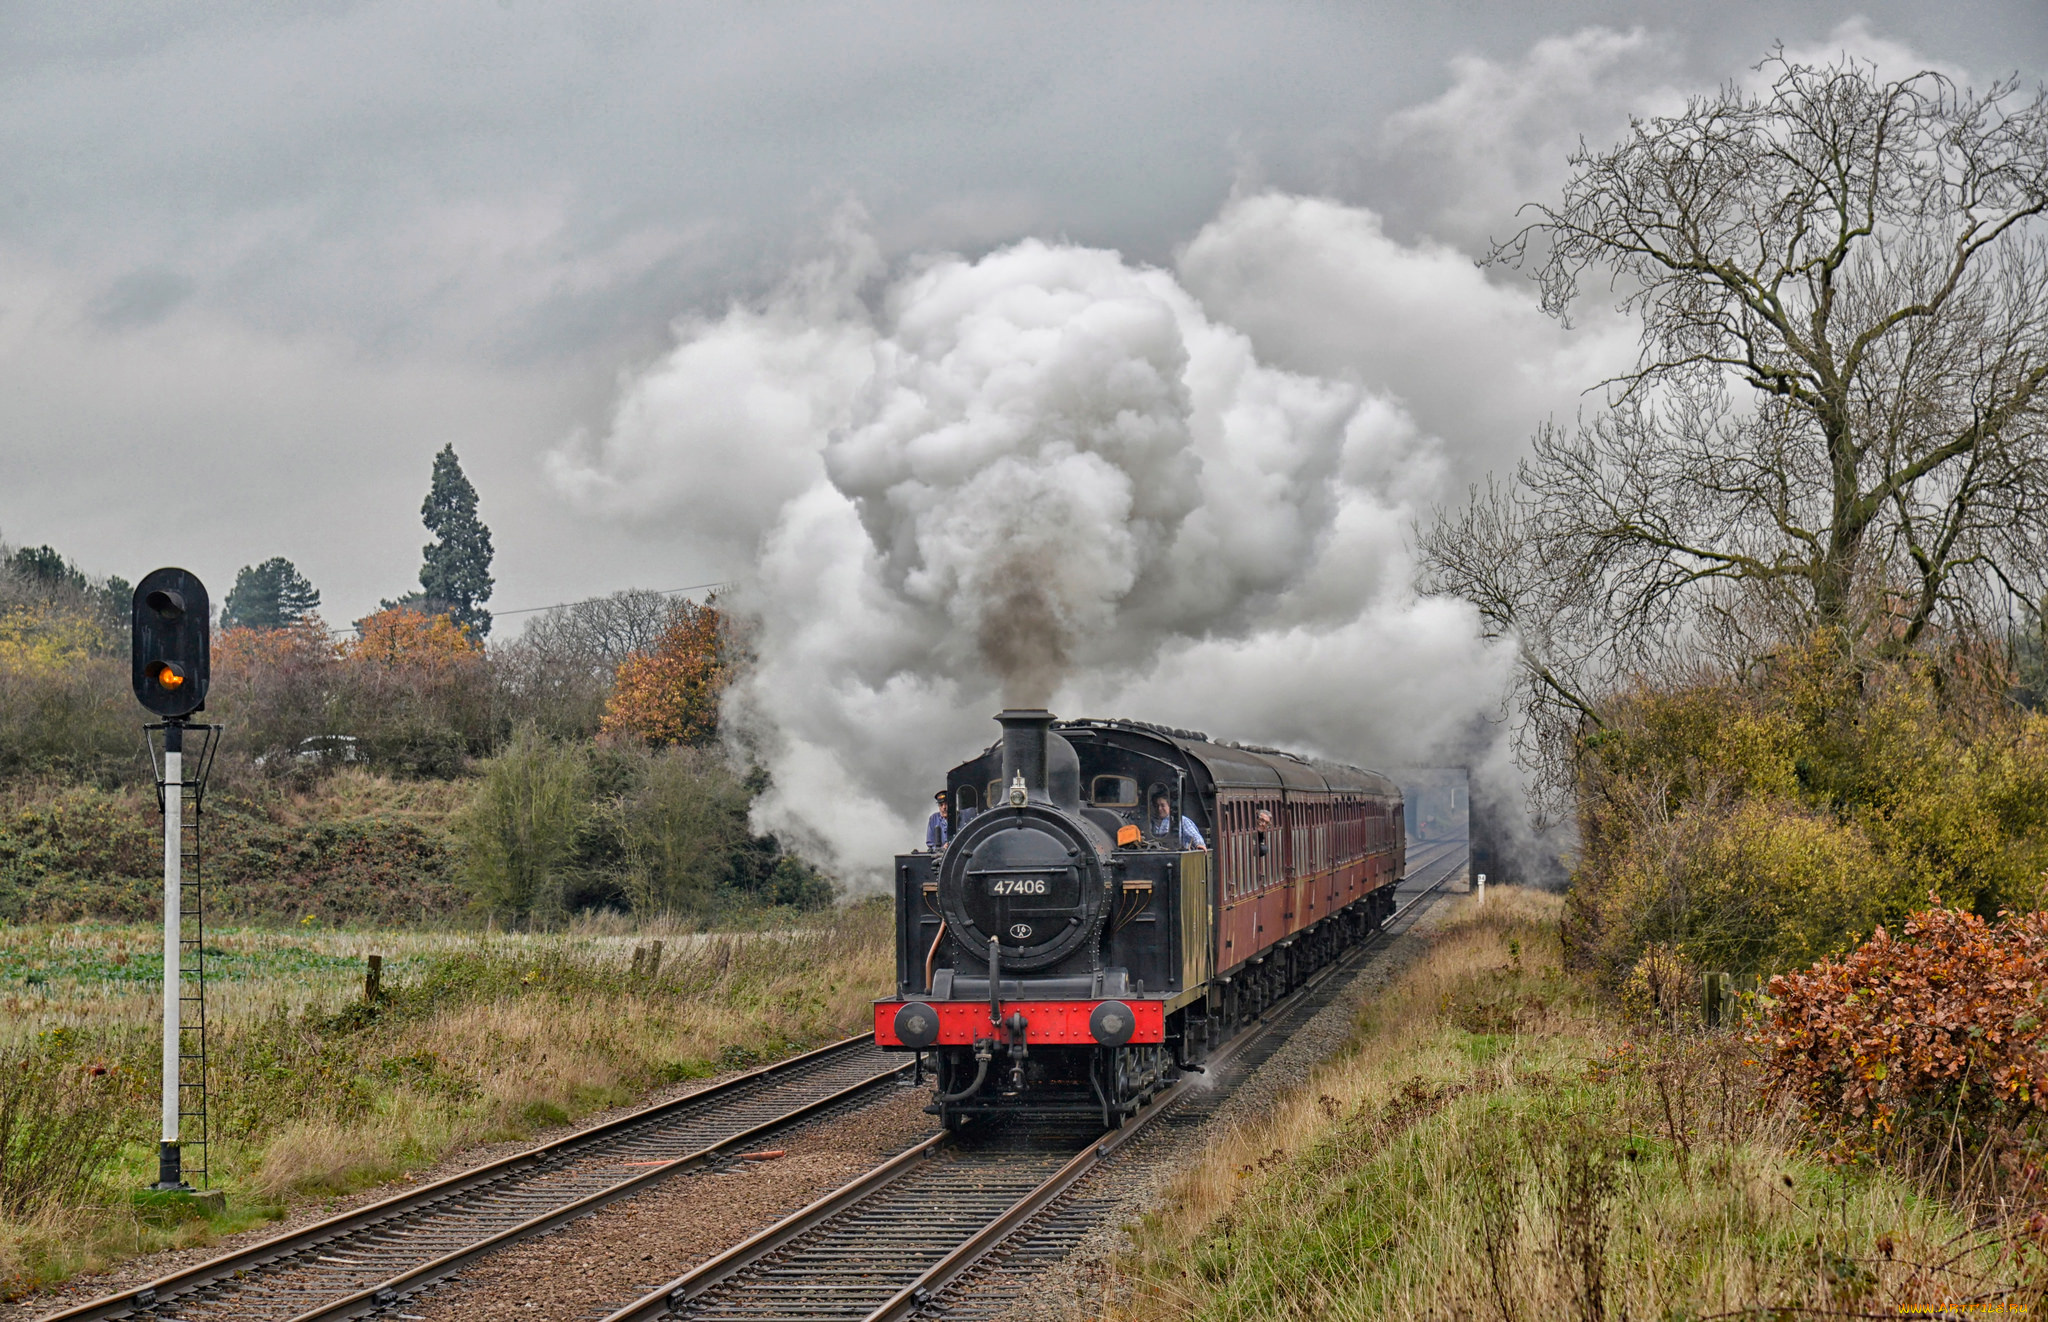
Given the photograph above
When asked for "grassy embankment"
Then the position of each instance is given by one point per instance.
(314, 1092)
(349, 847)
(1498, 1142)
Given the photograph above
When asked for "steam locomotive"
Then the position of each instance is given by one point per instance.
(1063, 953)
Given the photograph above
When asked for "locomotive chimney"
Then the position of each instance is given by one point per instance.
(1024, 736)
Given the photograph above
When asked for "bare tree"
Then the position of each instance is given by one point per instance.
(558, 671)
(1838, 417)
(603, 631)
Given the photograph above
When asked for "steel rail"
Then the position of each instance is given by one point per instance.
(685, 1296)
(494, 1182)
(409, 1282)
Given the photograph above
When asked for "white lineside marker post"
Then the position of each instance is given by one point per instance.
(169, 1174)
(1481, 887)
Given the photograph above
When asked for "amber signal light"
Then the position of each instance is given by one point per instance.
(170, 677)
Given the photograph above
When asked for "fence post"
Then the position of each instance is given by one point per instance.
(639, 959)
(654, 959)
(373, 979)
(1717, 998)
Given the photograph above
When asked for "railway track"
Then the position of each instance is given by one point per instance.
(887, 1245)
(366, 1260)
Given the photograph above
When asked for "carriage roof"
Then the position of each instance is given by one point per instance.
(1234, 766)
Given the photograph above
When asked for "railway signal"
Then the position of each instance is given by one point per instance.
(172, 643)
(170, 668)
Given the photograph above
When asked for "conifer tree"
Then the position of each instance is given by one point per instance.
(455, 578)
(272, 595)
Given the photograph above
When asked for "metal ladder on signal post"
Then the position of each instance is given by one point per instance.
(192, 995)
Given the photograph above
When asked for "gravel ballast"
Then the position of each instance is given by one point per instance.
(633, 1246)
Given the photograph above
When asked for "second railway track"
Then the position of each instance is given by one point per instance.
(886, 1245)
(365, 1260)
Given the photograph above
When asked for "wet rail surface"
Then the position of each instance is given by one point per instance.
(984, 1210)
(366, 1260)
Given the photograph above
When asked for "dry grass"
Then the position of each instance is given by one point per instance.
(1496, 1143)
(91, 976)
(479, 1038)
(351, 792)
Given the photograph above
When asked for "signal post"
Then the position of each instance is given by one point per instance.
(170, 669)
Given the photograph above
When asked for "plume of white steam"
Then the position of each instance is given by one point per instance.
(1045, 476)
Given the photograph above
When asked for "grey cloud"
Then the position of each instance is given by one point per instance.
(140, 298)
(309, 244)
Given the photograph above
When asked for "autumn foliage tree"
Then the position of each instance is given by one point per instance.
(403, 636)
(668, 693)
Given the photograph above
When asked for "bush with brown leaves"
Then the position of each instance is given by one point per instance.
(1931, 1044)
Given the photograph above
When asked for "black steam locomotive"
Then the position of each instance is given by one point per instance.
(1072, 947)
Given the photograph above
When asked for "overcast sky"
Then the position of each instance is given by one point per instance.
(259, 262)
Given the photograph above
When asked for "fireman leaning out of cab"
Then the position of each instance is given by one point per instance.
(1162, 823)
(937, 830)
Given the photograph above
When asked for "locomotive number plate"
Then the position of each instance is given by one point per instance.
(1018, 886)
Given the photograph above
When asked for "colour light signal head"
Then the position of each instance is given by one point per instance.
(172, 643)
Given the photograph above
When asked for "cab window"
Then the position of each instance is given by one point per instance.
(1113, 792)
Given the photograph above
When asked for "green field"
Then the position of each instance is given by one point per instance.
(101, 975)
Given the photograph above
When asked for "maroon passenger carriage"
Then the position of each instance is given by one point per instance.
(1118, 956)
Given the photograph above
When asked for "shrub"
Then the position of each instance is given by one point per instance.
(414, 690)
(1761, 884)
(681, 827)
(557, 827)
(64, 701)
(668, 694)
(63, 1116)
(520, 830)
(1931, 1042)
(1761, 822)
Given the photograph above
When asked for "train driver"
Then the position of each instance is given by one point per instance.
(1162, 823)
(936, 828)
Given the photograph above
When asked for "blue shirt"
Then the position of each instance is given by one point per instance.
(936, 830)
(1190, 838)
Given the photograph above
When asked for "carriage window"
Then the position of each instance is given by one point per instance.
(1113, 792)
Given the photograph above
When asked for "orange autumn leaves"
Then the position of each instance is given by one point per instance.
(399, 636)
(1941, 1029)
(666, 693)
(669, 692)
